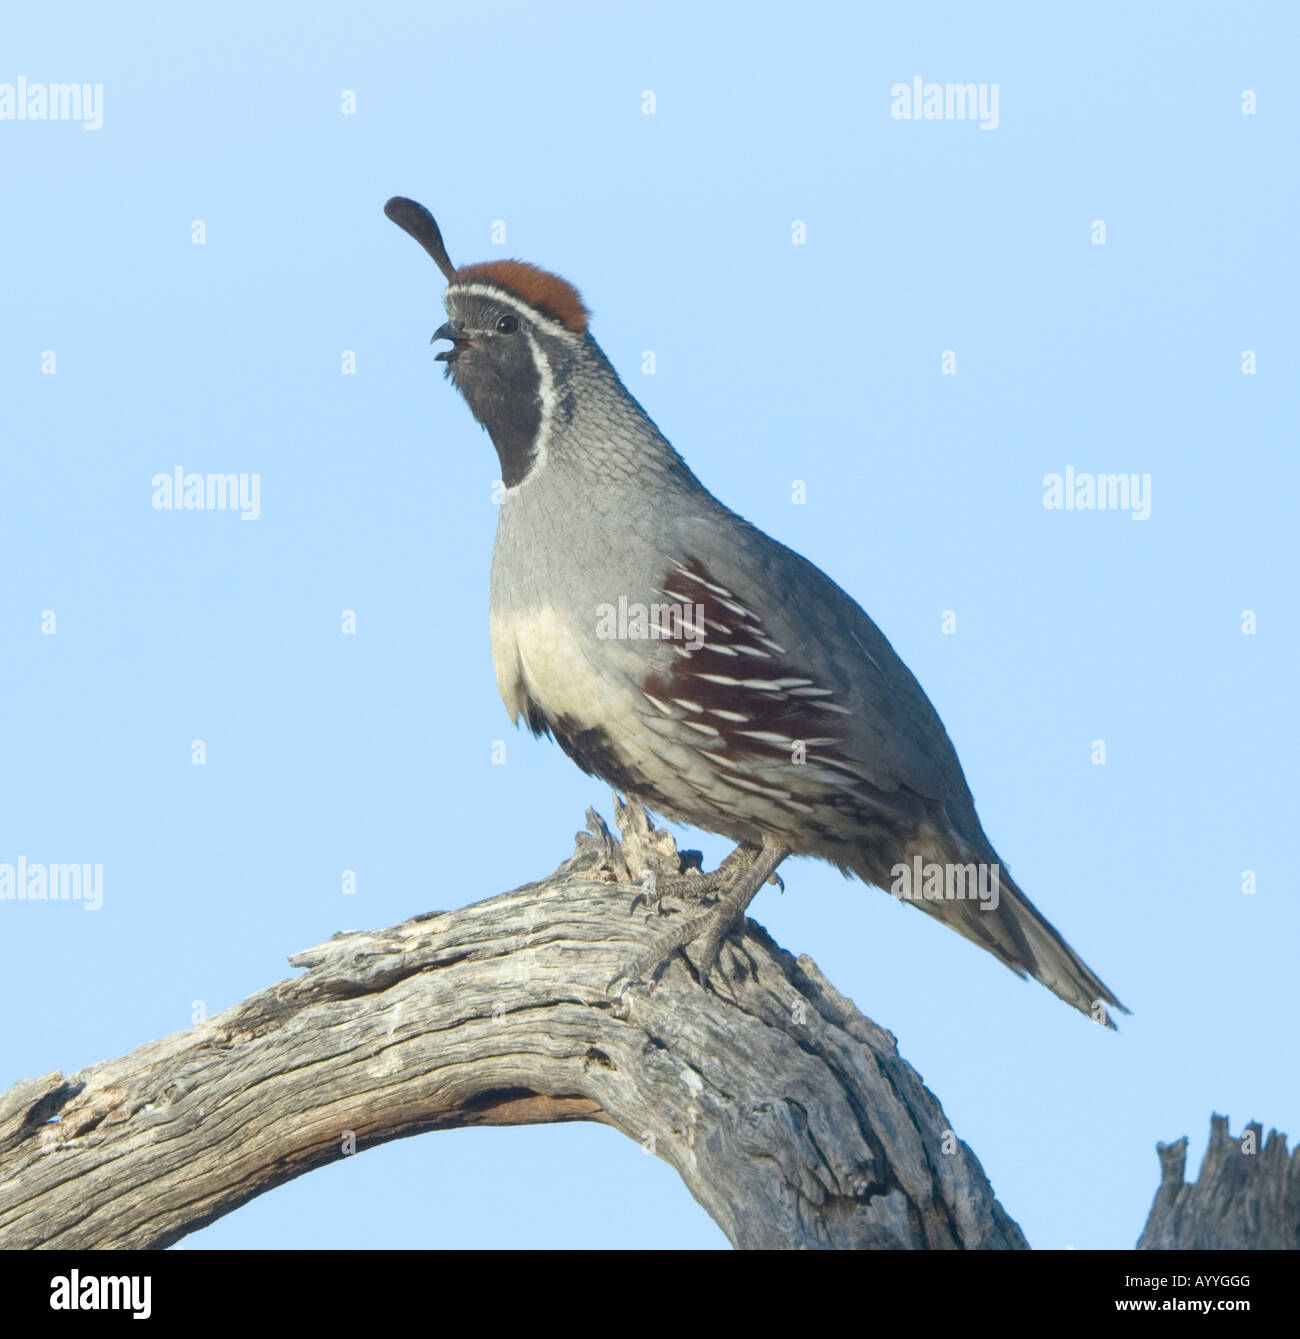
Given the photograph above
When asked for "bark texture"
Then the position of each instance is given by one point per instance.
(792, 1118)
(1246, 1198)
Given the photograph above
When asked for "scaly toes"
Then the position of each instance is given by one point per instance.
(729, 889)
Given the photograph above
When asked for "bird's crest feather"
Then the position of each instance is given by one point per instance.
(550, 294)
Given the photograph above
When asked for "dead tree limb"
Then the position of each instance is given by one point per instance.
(790, 1116)
(1246, 1198)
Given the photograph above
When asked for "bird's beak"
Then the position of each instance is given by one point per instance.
(458, 341)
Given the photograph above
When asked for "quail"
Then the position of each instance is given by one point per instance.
(687, 659)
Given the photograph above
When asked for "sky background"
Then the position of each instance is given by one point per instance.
(775, 362)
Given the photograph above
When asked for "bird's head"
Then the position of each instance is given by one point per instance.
(512, 328)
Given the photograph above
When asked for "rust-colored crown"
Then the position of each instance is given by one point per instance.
(539, 288)
(550, 294)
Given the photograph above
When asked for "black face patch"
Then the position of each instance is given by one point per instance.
(503, 395)
(498, 376)
(494, 368)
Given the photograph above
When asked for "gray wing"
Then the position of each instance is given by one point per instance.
(890, 731)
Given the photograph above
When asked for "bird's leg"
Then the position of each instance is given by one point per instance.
(737, 880)
(735, 901)
(693, 885)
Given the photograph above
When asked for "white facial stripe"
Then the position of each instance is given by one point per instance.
(545, 393)
(505, 295)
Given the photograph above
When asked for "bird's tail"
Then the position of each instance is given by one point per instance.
(1004, 921)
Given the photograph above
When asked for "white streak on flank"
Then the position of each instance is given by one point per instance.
(766, 736)
(728, 715)
(720, 591)
(832, 706)
(751, 651)
(661, 707)
(737, 609)
(687, 705)
(793, 687)
(754, 786)
(771, 645)
(702, 728)
(722, 650)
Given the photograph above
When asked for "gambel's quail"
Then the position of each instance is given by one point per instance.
(693, 663)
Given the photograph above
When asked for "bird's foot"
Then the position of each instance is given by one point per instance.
(728, 891)
(692, 885)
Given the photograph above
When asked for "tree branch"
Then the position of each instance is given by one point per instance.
(1247, 1196)
(791, 1118)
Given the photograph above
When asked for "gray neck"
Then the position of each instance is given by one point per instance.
(598, 431)
(598, 512)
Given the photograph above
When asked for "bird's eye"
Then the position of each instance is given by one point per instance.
(507, 325)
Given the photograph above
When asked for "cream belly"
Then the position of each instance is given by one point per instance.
(539, 656)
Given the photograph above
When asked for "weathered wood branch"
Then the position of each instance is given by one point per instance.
(1246, 1198)
(791, 1118)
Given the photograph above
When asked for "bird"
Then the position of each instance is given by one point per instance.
(695, 664)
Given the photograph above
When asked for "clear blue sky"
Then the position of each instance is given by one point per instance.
(775, 362)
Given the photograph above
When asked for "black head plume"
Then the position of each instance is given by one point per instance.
(415, 219)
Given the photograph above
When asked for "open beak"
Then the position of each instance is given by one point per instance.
(459, 339)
